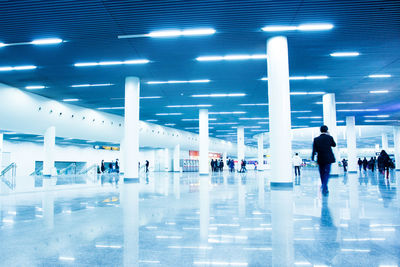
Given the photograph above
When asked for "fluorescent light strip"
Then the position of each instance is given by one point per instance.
(223, 123)
(25, 67)
(376, 116)
(226, 112)
(257, 104)
(255, 118)
(106, 63)
(343, 103)
(177, 33)
(170, 124)
(310, 77)
(345, 54)
(301, 111)
(92, 85)
(220, 95)
(248, 127)
(311, 117)
(263, 122)
(358, 110)
(47, 41)
(379, 91)
(381, 120)
(34, 87)
(379, 76)
(108, 246)
(189, 106)
(150, 97)
(231, 57)
(210, 119)
(168, 114)
(301, 27)
(70, 100)
(173, 82)
(196, 128)
(66, 258)
(151, 120)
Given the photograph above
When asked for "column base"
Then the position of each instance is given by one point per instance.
(131, 180)
(281, 186)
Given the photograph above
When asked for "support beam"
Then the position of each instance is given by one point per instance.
(240, 144)
(351, 144)
(203, 142)
(279, 112)
(329, 109)
(49, 145)
(131, 130)
(396, 136)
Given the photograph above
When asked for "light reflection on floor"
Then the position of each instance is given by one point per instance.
(172, 219)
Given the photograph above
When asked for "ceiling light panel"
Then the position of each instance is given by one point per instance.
(379, 91)
(345, 54)
(220, 95)
(301, 27)
(47, 41)
(107, 63)
(24, 67)
(380, 76)
(91, 85)
(231, 57)
(175, 82)
(189, 106)
(34, 87)
(178, 33)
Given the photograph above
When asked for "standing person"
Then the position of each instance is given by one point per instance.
(212, 165)
(117, 166)
(344, 162)
(371, 164)
(297, 163)
(322, 146)
(255, 165)
(221, 165)
(102, 167)
(384, 163)
(360, 162)
(232, 165)
(365, 164)
(147, 165)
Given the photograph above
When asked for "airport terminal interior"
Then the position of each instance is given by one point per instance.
(182, 133)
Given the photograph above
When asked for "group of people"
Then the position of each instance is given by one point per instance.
(384, 163)
(217, 165)
(113, 167)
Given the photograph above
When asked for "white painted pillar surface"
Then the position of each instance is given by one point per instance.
(329, 109)
(260, 158)
(351, 143)
(224, 155)
(396, 136)
(177, 157)
(131, 130)
(240, 144)
(130, 214)
(167, 160)
(1, 152)
(385, 143)
(49, 145)
(204, 209)
(203, 142)
(279, 111)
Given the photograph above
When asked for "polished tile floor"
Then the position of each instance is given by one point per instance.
(226, 219)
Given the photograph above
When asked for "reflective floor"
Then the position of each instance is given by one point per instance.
(223, 220)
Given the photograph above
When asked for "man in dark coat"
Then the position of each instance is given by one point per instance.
(322, 146)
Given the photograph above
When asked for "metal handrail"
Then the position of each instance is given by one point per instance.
(88, 169)
(11, 183)
(37, 172)
(71, 166)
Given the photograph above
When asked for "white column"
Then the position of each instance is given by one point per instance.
(396, 137)
(1, 152)
(240, 143)
(279, 112)
(329, 108)
(204, 209)
(167, 160)
(351, 143)
(49, 144)
(203, 142)
(131, 131)
(260, 142)
(177, 157)
(385, 143)
(224, 156)
(130, 219)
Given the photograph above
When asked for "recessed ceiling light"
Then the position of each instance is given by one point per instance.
(174, 82)
(345, 54)
(47, 41)
(70, 100)
(220, 95)
(379, 76)
(301, 27)
(34, 87)
(188, 106)
(379, 91)
(26, 67)
(177, 33)
(231, 57)
(92, 85)
(106, 63)
(168, 114)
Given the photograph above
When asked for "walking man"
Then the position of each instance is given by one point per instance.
(322, 146)
(297, 161)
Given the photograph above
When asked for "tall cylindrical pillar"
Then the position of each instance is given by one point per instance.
(203, 142)
(177, 157)
(279, 112)
(351, 144)
(396, 137)
(224, 156)
(385, 143)
(131, 130)
(260, 158)
(167, 160)
(49, 145)
(329, 109)
(240, 143)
